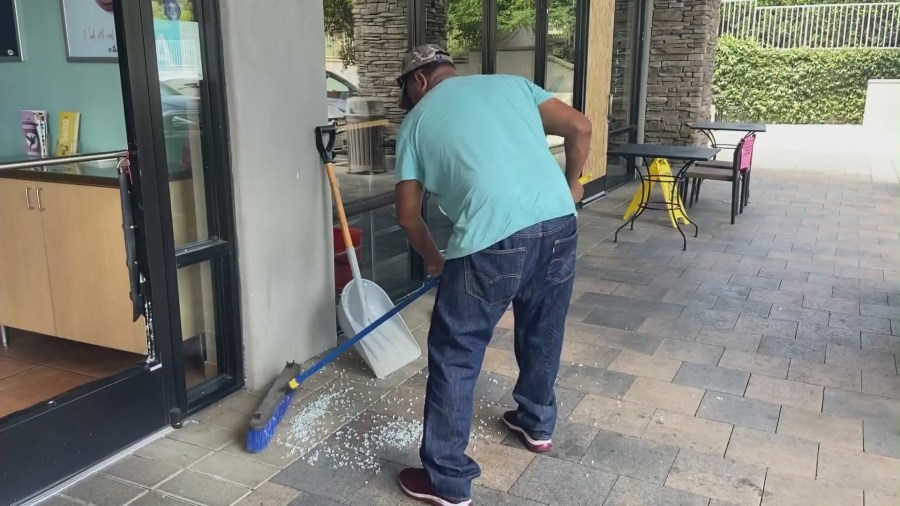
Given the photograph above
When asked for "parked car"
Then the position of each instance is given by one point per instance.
(178, 106)
(338, 91)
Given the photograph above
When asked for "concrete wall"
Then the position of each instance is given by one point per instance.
(273, 52)
(882, 113)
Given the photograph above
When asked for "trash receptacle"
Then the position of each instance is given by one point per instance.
(365, 133)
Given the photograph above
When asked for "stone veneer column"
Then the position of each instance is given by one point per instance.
(682, 60)
(380, 33)
(381, 38)
(436, 22)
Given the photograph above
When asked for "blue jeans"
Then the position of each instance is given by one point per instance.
(534, 270)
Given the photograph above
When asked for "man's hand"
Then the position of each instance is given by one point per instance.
(434, 266)
(577, 190)
(564, 121)
(408, 200)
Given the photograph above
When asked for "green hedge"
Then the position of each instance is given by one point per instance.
(801, 86)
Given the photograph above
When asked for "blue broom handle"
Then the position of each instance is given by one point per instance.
(429, 284)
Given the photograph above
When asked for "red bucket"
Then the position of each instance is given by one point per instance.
(342, 272)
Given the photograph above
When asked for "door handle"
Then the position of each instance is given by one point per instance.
(40, 206)
(129, 226)
(28, 199)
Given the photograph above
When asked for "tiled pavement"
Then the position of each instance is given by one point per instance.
(758, 367)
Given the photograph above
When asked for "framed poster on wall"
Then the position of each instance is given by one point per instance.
(89, 30)
(10, 38)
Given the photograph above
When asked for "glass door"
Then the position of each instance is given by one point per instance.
(85, 360)
(622, 115)
(196, 211)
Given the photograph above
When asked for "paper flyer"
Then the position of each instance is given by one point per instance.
(67, 133)
(34, 128)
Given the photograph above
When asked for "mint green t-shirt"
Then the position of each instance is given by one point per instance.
(477, 144)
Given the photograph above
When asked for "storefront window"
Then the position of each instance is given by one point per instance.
(457, 25)
(621, 88)
(515, 37)
(383, 253)
(622, 77)
(560, 76)
(364, 47)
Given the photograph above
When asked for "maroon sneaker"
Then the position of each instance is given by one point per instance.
(534, 445)
(415, 483)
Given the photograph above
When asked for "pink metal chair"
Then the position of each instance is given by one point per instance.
(746, 163)
(738, 174)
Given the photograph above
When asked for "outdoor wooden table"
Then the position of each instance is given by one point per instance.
(649, 154)
(708, 128)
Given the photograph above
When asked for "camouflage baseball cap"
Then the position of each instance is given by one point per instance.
(421, 56)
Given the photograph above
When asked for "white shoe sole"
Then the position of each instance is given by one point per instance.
(520, 431)
(433, 499)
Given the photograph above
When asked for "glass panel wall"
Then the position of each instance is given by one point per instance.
(456, 25)
(459, 31)
(560, 71)
(515, 37)
(618, 170)
(621, 85)
(363, 52)
(383, 253)
(622, 89)
(364, 48)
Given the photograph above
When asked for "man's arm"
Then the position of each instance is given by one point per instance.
(408, 199)
(565, 121)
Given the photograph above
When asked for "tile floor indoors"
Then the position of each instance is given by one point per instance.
(758, 367)
(34, 367)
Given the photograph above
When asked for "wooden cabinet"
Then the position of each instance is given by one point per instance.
(76, 247)
(25, 300)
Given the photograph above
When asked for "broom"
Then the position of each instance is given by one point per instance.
(278, 399)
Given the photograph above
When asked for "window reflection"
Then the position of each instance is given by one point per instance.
(515, 37)
(180, 67)
(622, 76)
(383, 252)
(460, 30)
(560, 77)
(363, 50)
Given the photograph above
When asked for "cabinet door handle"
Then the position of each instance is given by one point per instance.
(40, 205)
(28, 198)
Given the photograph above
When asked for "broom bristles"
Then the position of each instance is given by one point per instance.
(258, 437)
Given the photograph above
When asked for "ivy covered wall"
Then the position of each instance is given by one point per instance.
(798, 86)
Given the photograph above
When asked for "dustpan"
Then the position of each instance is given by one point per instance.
(391, 345)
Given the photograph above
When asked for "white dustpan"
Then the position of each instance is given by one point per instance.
(391, 345)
